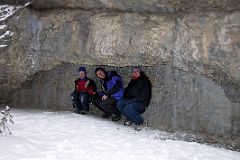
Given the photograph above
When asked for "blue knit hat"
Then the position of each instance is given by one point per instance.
(83, 69)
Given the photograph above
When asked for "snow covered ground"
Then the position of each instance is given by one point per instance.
(6, 11)
(40, 135)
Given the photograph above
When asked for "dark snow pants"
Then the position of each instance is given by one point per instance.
(106, 106)
(131, 109)
(80, 100)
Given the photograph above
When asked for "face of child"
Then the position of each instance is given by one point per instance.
(82, 74)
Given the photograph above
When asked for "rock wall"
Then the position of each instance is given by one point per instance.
(143, 6)
(192, 58)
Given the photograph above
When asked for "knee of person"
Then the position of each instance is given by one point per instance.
(102, 103)
(127, 108)
(119, 105)
(73, 94)
(120, 102)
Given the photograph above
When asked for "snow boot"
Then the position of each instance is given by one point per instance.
(116, 118)
(83, 112)
(77, 110)
(127, 123)
(140, 127)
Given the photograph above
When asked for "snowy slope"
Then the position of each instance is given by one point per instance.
(42, 135)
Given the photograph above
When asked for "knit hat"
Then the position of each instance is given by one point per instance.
(83, 69)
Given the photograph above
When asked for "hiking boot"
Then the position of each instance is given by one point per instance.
(140, 127)
(77, 111)
(116, 118)
(83, 112)
(106, 115)
(127, 123)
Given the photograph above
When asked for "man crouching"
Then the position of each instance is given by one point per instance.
(136, 99)
(112, 91)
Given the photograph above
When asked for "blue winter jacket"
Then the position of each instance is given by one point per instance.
(112, 86)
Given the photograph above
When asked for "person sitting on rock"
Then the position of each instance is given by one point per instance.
(84, 88)
(136, 99)
(112, 91)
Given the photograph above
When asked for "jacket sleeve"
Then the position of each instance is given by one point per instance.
(75, 85)
(114, 89)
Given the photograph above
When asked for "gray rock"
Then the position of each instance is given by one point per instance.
(152, 6)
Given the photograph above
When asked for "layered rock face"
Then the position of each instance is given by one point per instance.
(191, 52)
(143, 6)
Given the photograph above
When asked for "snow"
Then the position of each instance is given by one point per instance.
(6, 11)
(41, 135)
(27, 4)
(7, 33)
(32, 60)
(3, 45)
(3, 26)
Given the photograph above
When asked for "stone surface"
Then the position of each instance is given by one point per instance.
(152, 6)
(191, 58)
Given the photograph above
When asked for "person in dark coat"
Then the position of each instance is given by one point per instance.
(111, 91)
(136, 99)
(84, 89)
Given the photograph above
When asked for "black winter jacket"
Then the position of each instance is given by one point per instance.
(139, 89)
